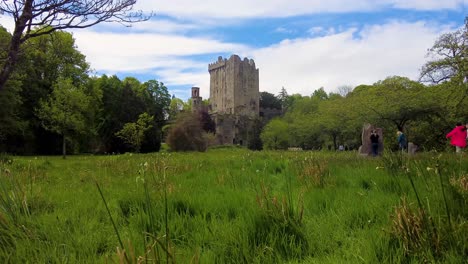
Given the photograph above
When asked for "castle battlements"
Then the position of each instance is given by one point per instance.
(234, 58)
(218, 64)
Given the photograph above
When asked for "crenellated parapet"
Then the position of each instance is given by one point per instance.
(218, 64)
(234, 59)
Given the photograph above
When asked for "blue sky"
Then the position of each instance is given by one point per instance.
(301, 45)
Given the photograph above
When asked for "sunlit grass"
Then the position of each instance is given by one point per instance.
(234, 206)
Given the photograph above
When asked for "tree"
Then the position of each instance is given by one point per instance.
(36, 18)
(450, 53)
(269, 100)
(254, 140)
(134, 133)
(175, 107)
(207, 123)
(283, 98)
(396, 100)
(11, 122)
(320, 94)
(64, 112)
(332, 119)
(344, 90)
(157, 99)
(450, 63)
(275, 135)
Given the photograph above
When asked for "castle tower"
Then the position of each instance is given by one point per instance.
(234, 87)
(196, 100)
(234, 98)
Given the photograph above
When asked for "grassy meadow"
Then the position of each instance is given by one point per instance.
(234, 206)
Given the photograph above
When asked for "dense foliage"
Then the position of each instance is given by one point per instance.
(51, 104)
(187, 134)
(424, 112)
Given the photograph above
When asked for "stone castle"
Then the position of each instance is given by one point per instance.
(234, 98)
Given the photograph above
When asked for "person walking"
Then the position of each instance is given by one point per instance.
(401, 138)
(458, 137)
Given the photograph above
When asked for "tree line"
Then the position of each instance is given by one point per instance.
(425, 109)
(51, 104)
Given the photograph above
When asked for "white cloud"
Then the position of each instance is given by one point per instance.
(428, 4)
(139, 52)
(285, 30)
(154, 25)
(303, 65)
(283, 8)
(350, 57)
(7, 22)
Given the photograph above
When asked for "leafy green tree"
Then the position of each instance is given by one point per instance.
(450, 57)
(134, 133)
(37, 18)
(64, 111)
(320, 94)
(123, 102)
(283, 98)
(11, 121)
(395, 100)
(301, 117)
(449, 63)
(269, 100)
(175, 107)
(157, 99)
(43, 60)
(275, 135)
(253, 136)
(332, 119)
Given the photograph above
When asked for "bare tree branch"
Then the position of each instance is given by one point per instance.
(34, 18)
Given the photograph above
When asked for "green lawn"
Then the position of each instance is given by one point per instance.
(234, 206)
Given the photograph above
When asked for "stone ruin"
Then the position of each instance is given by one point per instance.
(366, 148)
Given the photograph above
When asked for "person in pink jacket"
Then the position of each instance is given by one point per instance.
(458, 137)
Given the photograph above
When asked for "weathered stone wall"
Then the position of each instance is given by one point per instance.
(234, 86)
(234, 96)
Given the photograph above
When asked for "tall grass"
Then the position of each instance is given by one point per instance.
(234, 206)
(427, 232)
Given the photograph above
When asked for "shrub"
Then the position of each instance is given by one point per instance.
(186, 134)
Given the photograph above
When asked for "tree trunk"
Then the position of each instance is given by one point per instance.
(334, 136)
(15, 42)
(64, 147)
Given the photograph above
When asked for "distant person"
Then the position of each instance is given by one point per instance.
(374, 138)
(401, 138)
(341, 148)
(458, 137)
